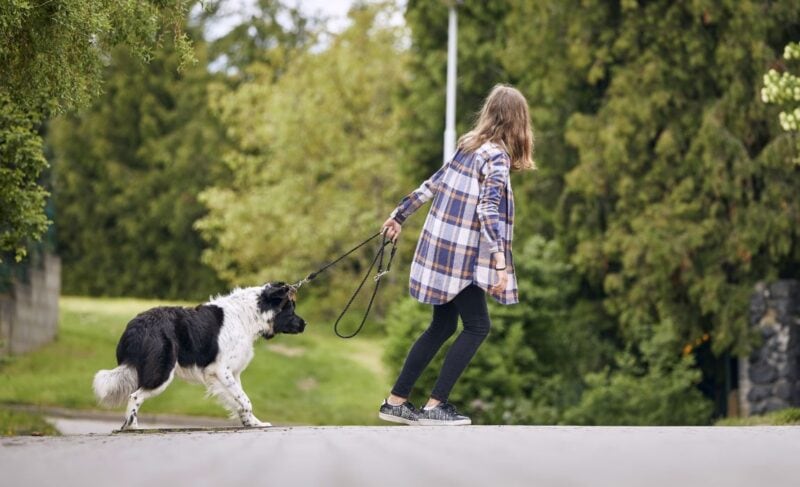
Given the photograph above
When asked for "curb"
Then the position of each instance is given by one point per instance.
(97, 415)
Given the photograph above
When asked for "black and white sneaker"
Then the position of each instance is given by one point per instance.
(444, 414)
(405, 413)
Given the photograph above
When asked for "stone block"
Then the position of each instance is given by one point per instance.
(774, 404)
(762, 373)
(759, 392)
(768, 331)
(783, 390)
(783, 289)
(29, 313)
(769, 379)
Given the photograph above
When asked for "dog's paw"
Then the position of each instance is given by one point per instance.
(253, 422)
(130, 423)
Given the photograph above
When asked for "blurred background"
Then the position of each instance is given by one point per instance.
(156, 152)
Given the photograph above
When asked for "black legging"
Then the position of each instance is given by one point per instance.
(471, 305)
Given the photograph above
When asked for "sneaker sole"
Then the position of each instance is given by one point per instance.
(397, 419)
(443, 422)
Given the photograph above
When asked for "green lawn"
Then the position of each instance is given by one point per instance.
(17, 423)
(313, 378)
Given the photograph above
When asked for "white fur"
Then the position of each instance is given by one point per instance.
(243, 324)
(112, 387)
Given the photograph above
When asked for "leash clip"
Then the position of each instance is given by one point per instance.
(380, 274)
(297, 285)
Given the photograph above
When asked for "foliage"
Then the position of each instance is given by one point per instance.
(264, 44)
(313, 378)
(314, 161)
(784, 90)
(543, 56)
(21, 162)
(52, 53)
(657, 388)
(661, 179)
(682, 198)
(789, 416)
(51, 58)
(145, 148)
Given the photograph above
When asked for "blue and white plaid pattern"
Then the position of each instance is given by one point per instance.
(472, 215)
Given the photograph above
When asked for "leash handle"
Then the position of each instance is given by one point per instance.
(380, 273)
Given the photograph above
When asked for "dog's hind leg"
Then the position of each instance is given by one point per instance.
(136, 399)
(228, 388)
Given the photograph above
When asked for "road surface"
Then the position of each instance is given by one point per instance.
(500, 456)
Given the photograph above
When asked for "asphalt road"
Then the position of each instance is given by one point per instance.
(412, 456)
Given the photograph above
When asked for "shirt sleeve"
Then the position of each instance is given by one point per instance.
(419, 196)
(495, 176)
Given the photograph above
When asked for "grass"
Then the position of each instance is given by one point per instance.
(313, 378)
(14, 423)
(790, 416)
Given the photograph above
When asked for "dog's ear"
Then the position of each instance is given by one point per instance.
(272, 296)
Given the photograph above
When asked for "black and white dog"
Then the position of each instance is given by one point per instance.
(211, 344)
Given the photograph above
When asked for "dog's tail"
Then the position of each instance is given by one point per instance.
(112, 387)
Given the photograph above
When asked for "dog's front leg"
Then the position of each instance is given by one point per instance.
(233, 387)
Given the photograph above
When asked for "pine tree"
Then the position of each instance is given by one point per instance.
(681, 201)
(128, 173)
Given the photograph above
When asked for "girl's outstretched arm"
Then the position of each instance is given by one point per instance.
(418, 197)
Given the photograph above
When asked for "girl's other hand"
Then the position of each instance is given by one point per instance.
(392, 229)
(502, 280)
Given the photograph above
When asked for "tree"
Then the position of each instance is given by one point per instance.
(661, 178)
(680, 200)
(21, 162)
(314, 158)
(127, 174)
(51, 59)
(265, 42)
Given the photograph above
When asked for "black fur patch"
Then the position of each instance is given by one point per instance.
(197, 335)
(155, 339)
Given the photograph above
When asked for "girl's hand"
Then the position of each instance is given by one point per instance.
(502, 280)
(391, 229)
(499, 260)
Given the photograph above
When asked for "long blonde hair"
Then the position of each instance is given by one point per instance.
(504, 119)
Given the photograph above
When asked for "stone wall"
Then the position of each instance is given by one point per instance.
(769, 379)
(29, 311)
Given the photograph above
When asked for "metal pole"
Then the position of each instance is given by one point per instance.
(450, 110)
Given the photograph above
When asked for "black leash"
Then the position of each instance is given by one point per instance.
(379, 257)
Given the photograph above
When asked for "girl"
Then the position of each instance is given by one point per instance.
(464, 250)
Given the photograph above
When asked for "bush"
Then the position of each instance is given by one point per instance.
(654, 385)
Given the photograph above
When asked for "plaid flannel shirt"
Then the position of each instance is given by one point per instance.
(471, 217)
